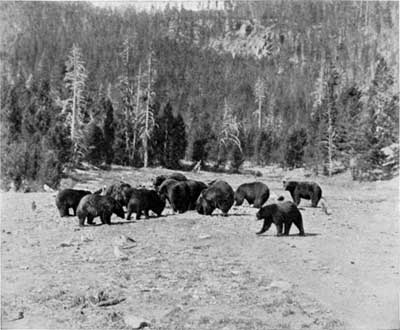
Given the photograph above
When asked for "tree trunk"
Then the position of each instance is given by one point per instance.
(330, 142)
(137, 111)
(259, 113)
(146, 130)
(74, 104)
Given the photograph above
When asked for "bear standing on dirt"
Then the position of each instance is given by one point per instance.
(218, 195)
(256, 193)
(157, 182)
(305, 189)
(92, 206)
(143, 200)
(281, 214)
(120, 191)
(195, 188)
(177, 193)
(69, 198)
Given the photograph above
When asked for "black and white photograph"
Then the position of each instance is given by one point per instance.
(199, 165)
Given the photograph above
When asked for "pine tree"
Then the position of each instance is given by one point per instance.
(75, 80)
(127, 95)
(259, 92)
(326, 96)
(229, 132)
(178, 142)
(145, 118)
(108, 130)
(94, 144)
(380, 124)
(295, 144)
(169, 139)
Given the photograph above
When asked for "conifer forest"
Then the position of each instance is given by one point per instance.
(294, 83)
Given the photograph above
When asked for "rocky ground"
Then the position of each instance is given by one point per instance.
(189, 271)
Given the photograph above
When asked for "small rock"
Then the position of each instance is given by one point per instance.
(122, 239)
(293, 246)
(352, 262)
(280, 285)
(33, 206)
(135, 322)
(66, 244)
(87, 238)
(115, 317)
(204, 236)
(119, 254)
(19, 316)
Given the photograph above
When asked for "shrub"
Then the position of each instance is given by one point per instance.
(295, 144)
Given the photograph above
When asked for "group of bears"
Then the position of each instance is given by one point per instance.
(183, 195)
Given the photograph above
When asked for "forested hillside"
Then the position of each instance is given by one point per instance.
(298, 83)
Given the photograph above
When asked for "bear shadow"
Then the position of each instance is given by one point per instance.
(302, 208)
(290, 235)
(120, 223)
(224, 216)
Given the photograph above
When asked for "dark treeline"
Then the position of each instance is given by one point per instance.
(296, 83)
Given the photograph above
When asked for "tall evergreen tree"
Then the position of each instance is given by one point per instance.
(75, 80)
(108, 130)
(94, 144)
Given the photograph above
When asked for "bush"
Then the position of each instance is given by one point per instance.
(168, 142)
(94, 144)
(236, 158)
(295, 144)
(51, 170)
(266, 144)
(13, 164)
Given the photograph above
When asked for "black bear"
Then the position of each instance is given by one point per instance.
(143, 200)
(219, 195)
(120, 191)
(256, 193)
(177, 193)
(161, 178)
(307, 190)
(281, 214)
(69, 198)
(195, 188)
(94, 205)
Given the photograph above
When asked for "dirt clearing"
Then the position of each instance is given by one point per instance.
(189, 271)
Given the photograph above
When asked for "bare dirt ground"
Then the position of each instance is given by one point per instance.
(189, 271)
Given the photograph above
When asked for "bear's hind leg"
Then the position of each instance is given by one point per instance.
(138, 213)
(279, 228)
(287, 228)
(106, 219)
(128, 214)
(90, 220)
(257, 203)
(299, 225)
(81, 221)
(314, 201)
